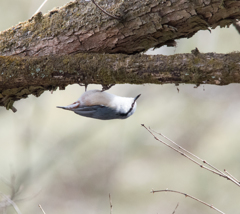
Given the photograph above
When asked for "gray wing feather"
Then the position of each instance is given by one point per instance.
(97, 112)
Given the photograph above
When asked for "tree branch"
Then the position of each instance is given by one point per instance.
(33, 75)
(81, 27)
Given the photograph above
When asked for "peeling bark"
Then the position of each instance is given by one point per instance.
(33, 75)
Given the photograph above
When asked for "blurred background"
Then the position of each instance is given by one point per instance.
(70, 164)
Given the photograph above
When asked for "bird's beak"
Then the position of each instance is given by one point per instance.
(135, 99)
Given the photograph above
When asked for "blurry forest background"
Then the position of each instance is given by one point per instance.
(72, 163)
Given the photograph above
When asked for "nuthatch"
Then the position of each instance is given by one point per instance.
(102, 105)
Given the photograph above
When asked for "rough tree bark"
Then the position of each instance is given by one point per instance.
(69, 45)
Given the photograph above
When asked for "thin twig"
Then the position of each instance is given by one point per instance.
(110, 201)
(13, 190)
(213, 170)
(190, 153)
(175, 208)
(183, 154)
(40, 7)
(114, 17)
(176, 144)
(41, 209)
(14, 206)
(8, 199)
(231, 176)
(186, 195)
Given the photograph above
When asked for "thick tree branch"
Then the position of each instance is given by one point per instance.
(33, 75)
(81, 27)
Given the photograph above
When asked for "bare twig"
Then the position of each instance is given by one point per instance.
(10, 201)
(231, 176)
(110, 201)
(114, 17)
(40, 7)
(41, 209)
(189, 152)
(183, 154)
(13, 189)
(175, 208)
(12, 185)
(210, 167)
(186, 195)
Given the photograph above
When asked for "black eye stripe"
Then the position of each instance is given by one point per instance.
(125, 114)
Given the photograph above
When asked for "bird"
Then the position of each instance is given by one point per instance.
(102, 105)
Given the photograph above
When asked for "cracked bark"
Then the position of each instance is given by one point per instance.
(49, 46)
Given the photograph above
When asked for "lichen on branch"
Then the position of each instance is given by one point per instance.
(33, 75)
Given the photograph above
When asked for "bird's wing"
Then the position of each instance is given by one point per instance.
(86, 111)
(97, 111)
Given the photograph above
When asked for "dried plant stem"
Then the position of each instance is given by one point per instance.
(186, 195)
(175, 208)
(231, 176)
(10, 201)
(208, 166)
(189, 153)
(110, 202)
(40, 7)
(41, 208)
